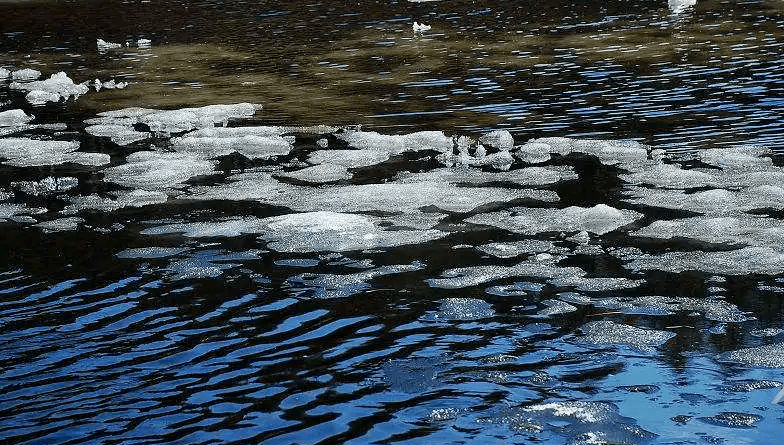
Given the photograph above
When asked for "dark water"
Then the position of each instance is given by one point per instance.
(210, 295)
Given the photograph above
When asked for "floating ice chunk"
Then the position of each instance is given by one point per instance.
(186, 119)
(134, 198)
(336, 232)
(630, 155)
(531, 176)
(737, 158)
(420, 27)
(599, 219)
(4, 74)
(119, 134)
(207, 264)
(319, 174)
(670, 176)
(533, 153)
(517, 248)
(237, 132)
(150, 170)
(54, 88)
(104, 46)
(555, 307)
(680, 6)
(13, 118)
(770, 356)
(61, 224)
(144, 43)
(25, 75)
(9, 211)
(394, 145)
(733, 419)
(47, 185)
(601, 284)
(748, 230)
(605, 332)
(749, 260)
(591, 412)
(462, 277)
(338, 286)
(464, 309)
(712, 202)
(23, 152)
(712, 309)
(250, 146)
(498, 139)
(349, 158)
(149, 253)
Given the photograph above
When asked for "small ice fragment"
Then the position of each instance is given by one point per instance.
(464, 309)
(680, 6)
(769, 356)
(319, 174)
(533, 153)
(12, 118)
(250, 146)
(605, 332)
(149, 253)
(61, 224)
(555, 307)
(144, 43)
(150, 170)
(344, 285)
(104, 46)
(349, 158)
(119, 134)
(516, 248)
(463, 277)
(8, 211)
(134, 198)
(499, 139)
(47, 185)
(420, 27)
(4, 74)
(25, 75)
(54, 88)
(397, 144)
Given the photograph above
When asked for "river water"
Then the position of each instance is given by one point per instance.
(306, 222)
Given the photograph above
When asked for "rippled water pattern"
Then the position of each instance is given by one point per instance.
(270, 272)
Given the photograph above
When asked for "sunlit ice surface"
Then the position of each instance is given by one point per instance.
(319, 223)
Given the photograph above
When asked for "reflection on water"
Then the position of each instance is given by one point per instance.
(256, 273)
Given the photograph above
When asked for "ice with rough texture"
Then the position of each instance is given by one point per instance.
(599, 219)
(462, 277)
(151, 170)
(46, 186)
(307, 232)
(498, 139)
(670, 176)
(10, 211)
(517, 248)
(555, 307)
(25, 75)
(4, 74)
(104, 46)
(748, 260)
(57, 86)
(711, 202)
(394, 144)
(630, 155)
(12, 118)
(207, 264)
(349, 158)
(768, 356)
(23, 152)
(61, 224)
(733, 419)
(119, 134)
(186, 119)
(150, 253)
(596, 284)
(533, 153)
(345, 285)
(319, 174)
(712, 309)
(744, 230)
(464, 309)
(133, 198)
(250, 146)
(605, 332)
(530, 176)
(737, 158)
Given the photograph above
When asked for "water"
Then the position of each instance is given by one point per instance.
(164, 279)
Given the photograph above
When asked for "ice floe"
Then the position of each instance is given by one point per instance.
(349, 158)
(250, 146)
(119, 200)
(498, 139)
(555, 307)
(119, 134)
(150, 253)
(344, 285)
(25, 75)
(61, 224)
(394, 144)
(630, 155)
(462, 277)
(464, 309)
(104, 46)
(11, 118)
(318, 174)
(605, 332)
(9, 211)
(307, 232)
(149, 170)
(533, 153)
(710, 308)
(46, 186)
(517, 248)
(599, 219)
(712, 202)
(744, 230)
(4, 74)
(23, 152)
(748, 260)
(58, 86)
(530, 176)
(769, 356)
